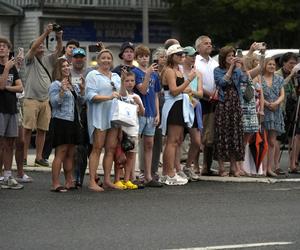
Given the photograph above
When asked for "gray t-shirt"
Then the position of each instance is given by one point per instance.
(36, 78)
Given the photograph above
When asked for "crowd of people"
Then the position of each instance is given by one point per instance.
(177, 93)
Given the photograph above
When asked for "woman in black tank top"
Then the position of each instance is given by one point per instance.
(173, 81)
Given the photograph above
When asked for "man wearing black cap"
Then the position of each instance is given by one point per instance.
(127, 55)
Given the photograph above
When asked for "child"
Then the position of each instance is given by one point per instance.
(127, 86)
(147, 87)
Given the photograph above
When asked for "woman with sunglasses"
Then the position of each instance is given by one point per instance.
(177, 113)
(66, 124)
(102, 86)
(192, 162)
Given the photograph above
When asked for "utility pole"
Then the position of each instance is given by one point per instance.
(145, 23)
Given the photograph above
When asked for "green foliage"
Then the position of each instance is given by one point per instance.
(238, 22)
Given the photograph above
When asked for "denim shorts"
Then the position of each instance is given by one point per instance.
(147, 126)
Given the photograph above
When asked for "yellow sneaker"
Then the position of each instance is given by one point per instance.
(130, 185)
(120, 185)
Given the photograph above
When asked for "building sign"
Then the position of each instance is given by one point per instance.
(114, 31)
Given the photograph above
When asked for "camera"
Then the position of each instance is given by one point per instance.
(155, 61)
(127, 144)
(262, 45)
(56, 27)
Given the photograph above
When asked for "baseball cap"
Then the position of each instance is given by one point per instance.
(174, 49)
(189, 51)
(78, 52)
(125, 46)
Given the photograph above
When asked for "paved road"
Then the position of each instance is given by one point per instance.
(197, 215)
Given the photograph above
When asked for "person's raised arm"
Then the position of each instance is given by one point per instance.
(34, 47)
(171, 81)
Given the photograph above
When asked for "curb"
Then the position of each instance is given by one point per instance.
(202, 178)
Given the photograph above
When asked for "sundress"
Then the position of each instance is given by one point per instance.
(273, 120)
(250, 119)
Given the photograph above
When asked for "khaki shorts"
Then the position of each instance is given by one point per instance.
(208, 129)
(36, 114)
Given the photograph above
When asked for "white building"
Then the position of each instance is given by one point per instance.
(88, 21)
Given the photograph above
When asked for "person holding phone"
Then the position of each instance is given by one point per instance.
(66, 123)
(229, 146)
(147, 87)
(10, 84)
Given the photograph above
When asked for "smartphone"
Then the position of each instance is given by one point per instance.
(239, 53)
(155, 61)
(11, 55)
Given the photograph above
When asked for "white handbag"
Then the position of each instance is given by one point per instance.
(123, 113)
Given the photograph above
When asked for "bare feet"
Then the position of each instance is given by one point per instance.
(110, 185)
(234, 174)
(222, 173)
(95, 188)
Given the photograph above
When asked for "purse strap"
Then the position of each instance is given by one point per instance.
(44, 68)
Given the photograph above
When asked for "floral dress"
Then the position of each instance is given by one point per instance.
(229, 131)
(273, 120)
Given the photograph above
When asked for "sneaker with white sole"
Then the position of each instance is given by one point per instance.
(182, 175)
(190, 173)
(162, 179)
(24, 179)
(11, 183)
(176, 180)
(1, 179)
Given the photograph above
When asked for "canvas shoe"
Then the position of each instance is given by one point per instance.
(11, 183)
(190, 173)
(176, 180)
(24, 179)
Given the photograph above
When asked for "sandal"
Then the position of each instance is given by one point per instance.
(294, 171)
(59, 189)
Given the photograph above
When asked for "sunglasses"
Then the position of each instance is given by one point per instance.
(179, 53)
(113, 86)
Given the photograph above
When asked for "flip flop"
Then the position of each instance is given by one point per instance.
(294, 171)
(71, 188)
(59, 189)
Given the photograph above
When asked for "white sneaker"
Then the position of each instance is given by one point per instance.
(24, 179)
(11, 183)
(190, 173)
(182, 175)
(175, 180)
(162, 179)
(1, 179)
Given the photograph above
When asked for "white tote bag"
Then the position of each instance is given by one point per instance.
(123, 113)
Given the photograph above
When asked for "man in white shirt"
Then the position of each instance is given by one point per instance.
(206, 65)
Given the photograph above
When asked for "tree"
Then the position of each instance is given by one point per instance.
(238, 22)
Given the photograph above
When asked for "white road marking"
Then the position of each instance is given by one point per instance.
(265, 244)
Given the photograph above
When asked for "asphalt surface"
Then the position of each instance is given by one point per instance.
(200, 214)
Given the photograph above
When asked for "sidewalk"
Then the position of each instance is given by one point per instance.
(284, 166)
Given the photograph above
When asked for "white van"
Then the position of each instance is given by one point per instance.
(275, 53)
